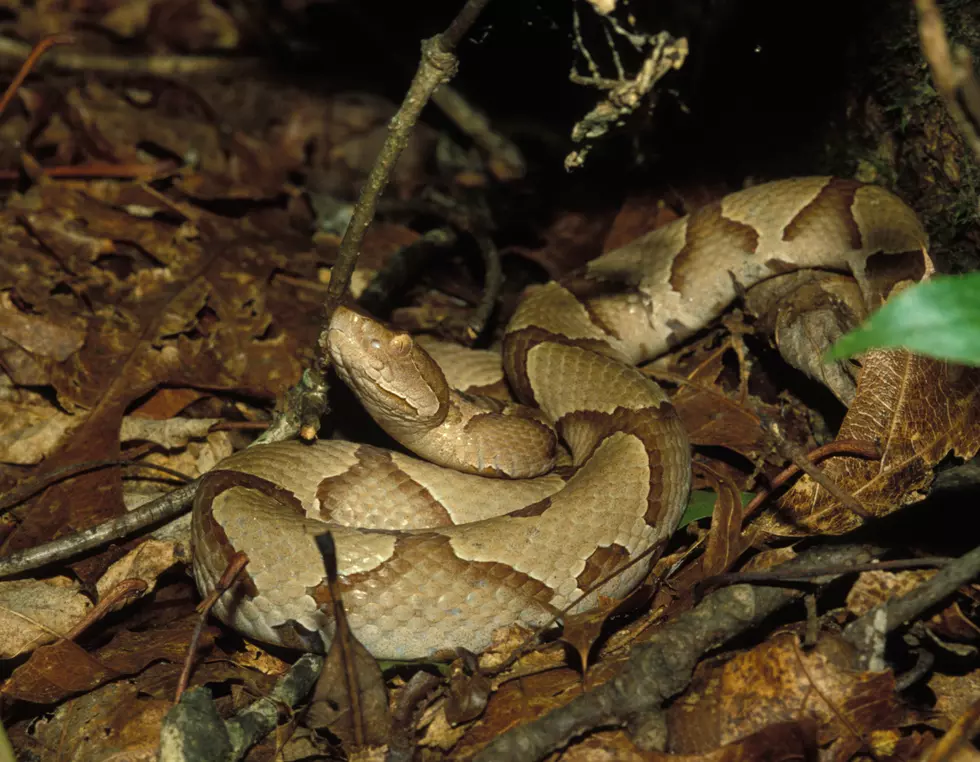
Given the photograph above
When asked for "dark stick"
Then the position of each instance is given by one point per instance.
(164, 508)
(306, 403)
(870, 628)
(662, 666)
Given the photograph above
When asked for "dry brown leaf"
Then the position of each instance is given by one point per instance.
(176, 311)
(581, 631)
(570, 240)
(769, 558)
(918, 410)
(724, 544)
(518, 702)
(123, 716)
(37, 334)
(195, 26)
(253, 657)
(65, 668)
(30, 427)
(112, 720)
(469, 692)
(54, 672)
(777, 681)
(873, 588)
(713, 416)
(954, 695)
(171, 433)
(35, 612)
(146, 562)
(168, 402)
(637, 215)
(330, 707)
(781, 742)
(954, 624)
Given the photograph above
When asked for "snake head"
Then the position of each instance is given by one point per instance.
(396, 380)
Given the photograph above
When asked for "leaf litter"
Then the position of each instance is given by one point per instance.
(153, 306)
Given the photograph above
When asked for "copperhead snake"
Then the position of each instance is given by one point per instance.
(438, 559)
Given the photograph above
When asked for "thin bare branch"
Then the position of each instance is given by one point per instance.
(952, 71)
(870, 628)
(164, 508)
(662, 666)
(307, 402)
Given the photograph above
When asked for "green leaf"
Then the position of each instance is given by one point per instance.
(701, 504)
(939, 317)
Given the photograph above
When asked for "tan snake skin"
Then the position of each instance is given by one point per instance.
(431, 559)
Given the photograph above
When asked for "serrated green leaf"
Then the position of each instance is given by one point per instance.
(939, 318)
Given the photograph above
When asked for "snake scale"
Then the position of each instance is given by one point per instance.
(432, 559)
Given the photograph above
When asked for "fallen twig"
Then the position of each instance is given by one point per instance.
(853, 447)
(662, 666)
(306, 403)
(127, 588)
(799, 458)
(438, 65)
(164, 508)
(21, 493)
(493, 279)
(474, 219)
(777, 575)
(194, 732)
(868, 631)
(156, 65)
(505, 160)
(402, 267)
(31, 58)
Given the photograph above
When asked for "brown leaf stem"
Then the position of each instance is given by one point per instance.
(800, 459)
(854, 447)
(235, 566)
(29, 63)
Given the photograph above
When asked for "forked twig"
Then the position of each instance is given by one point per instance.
(305, 403)
(799, 458)
(663, 666)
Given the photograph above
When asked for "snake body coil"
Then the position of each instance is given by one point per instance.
(432, 559)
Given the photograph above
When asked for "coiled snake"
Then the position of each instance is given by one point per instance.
(439, 559)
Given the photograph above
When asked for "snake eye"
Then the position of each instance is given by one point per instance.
(375, 345)
(400, 345)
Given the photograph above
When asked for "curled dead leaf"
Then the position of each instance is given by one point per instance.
(918, 410)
